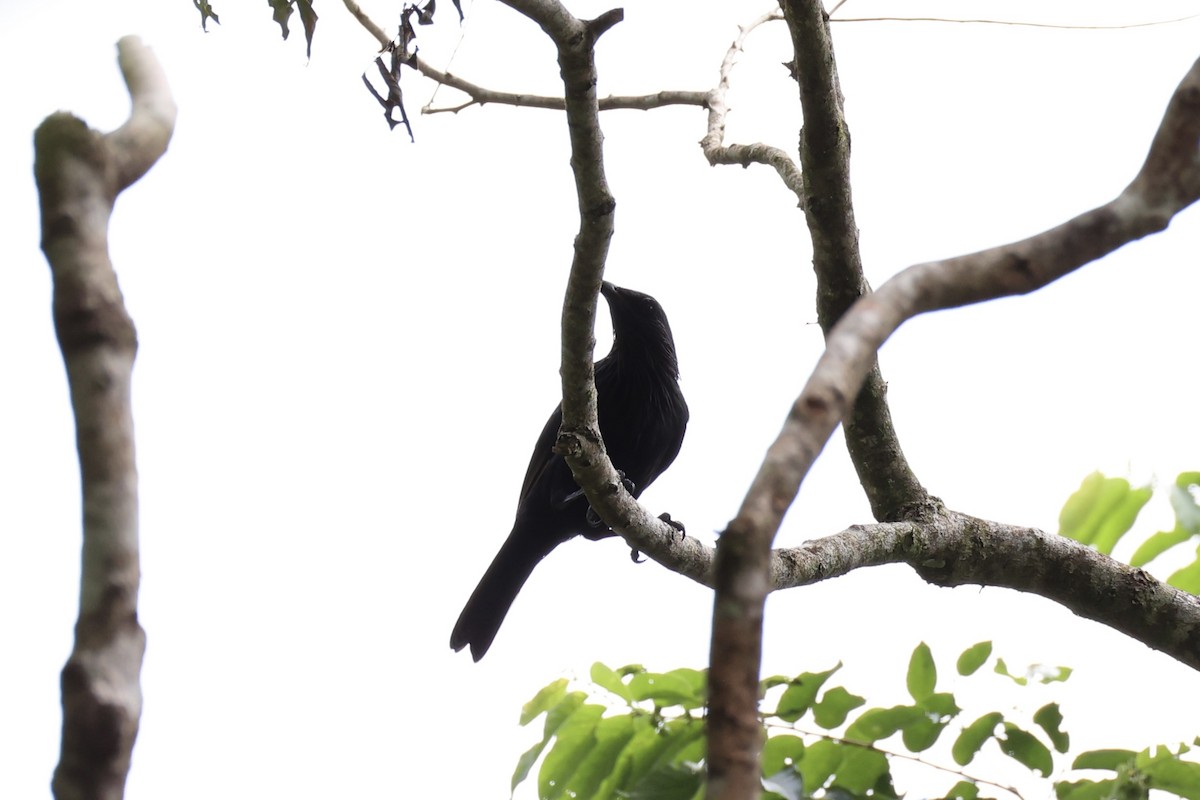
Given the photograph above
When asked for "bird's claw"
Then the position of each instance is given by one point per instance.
(635, 555)
(591, 517)
(674, 523)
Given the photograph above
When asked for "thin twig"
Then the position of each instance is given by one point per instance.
(1015, 23)
(744, 154)
(891, 754)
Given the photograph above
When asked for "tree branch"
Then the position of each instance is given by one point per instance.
(744, 154)
(480, 95)
(953, 549)
(79, 174)
(889, 482)
(1168, 182)
(579, 438)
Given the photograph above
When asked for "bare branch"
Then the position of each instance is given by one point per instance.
(1015, 23)
(79, 174)
(481, 95)
(953, 549)
(376, 31)
(889, 482)
(579, 437)
(744, 154)
(143, 139)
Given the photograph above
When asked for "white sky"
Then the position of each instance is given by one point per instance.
(349, 344)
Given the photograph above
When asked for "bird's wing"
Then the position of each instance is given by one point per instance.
(548, 472)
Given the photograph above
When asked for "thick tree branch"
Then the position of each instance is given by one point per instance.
(579, 437)
(948, 548)
(890, 484)
(953, 549)
(79, 173)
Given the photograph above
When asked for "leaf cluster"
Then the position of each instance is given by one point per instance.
(632, 733)
(1104, 509)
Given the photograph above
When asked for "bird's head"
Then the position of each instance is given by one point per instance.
(640, 322)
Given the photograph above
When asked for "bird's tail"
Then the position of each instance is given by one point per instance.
(485, 611)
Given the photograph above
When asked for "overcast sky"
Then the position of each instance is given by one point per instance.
(349, 344)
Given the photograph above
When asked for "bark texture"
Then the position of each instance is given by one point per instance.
(79, 174)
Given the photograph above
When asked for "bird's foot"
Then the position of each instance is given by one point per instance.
(674, 523)
(635, 555)
(593, 519)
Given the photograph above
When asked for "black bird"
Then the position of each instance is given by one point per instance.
(642, 419)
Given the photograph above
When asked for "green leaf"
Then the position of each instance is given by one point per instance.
(1087, 509)
(939, 709)
(675, 741)
(772, 682)
(1027, 749)
(559, 707)
(780, 752)
(561, 712)
(859, 769)
(1170, 773)
(1115, 760)
(835, 704)
(798, 697)
(1043, 673)
(820, 761)
(640, 746)
(1178, 777)
(607, 678)
(525, 763)
(1075, 511)
(546, 698)
(671, 782)
(1049, 719)
(1047, 674)
(879, 723)
(922, 673)
(1157, 544)
(1086, 790)
(611, 735)
(1002, 669)
(680, 687)
(1187, 578)
(941, 705)
(971, 660)
(963, 790)
(573, 741)
(973, 736)
(922, 734)
(1120, 519)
